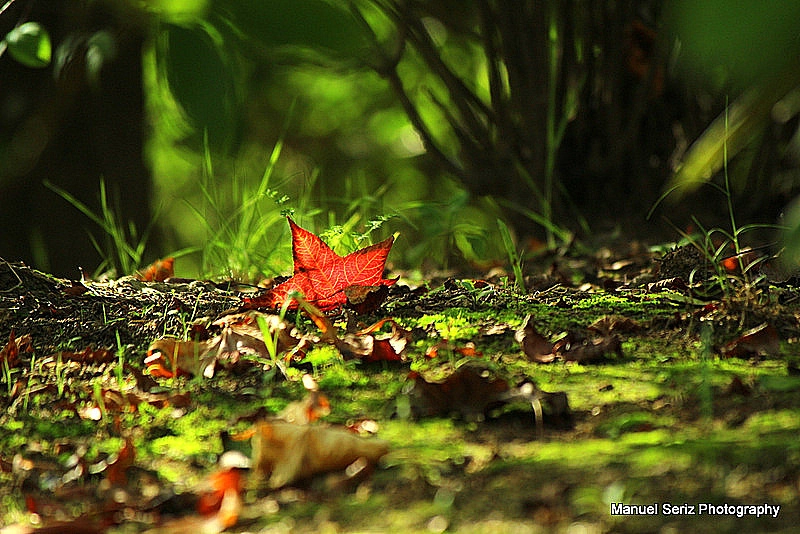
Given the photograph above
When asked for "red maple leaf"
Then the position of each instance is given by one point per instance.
(321, 275)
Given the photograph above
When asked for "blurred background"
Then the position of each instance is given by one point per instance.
(132, 130)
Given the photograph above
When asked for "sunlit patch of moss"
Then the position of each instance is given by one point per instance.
(452, 325)
(372, 396)
(783, 384)
(13, 506)
(631, 422)
(774, 421)
(180, 447)
(63, 425)
(322, 355)
(12, 435)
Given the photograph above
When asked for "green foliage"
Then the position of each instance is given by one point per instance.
(309, 26)
(514, 257)
(29, 43)
(716, 243)
(742, 41)
(201, 77)
(345, 238)
(244, 224)
(450, 228)
(205, 55)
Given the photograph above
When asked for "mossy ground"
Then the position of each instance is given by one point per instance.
(667, 422)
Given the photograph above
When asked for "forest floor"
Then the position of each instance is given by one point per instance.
(682, 396)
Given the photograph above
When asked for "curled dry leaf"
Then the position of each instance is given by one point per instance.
(535, 346)
(222, 482)
(471, 392)
(469, 350)
(668, 284)
(574, 348)
(376, 347)
(114, 401)
(365, 299)
(285, 452)
(116, 474)
(9, 355)
(75, 289)
(315, 406)
(589, 349)
(88, 355)
(242, 334)
(167, 358)
(158, 271)
(364, 344)
(762, 340)
(468, 393)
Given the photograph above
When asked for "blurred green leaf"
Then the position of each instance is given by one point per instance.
(307, 24)
(101, 48)
(727, 136)
(749, 39)
(29, 44)
(791, 236)
(752, 45)
(201, 79)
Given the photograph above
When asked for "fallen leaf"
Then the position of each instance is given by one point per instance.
(322, 276)
(167, 358)
(143, 382)
(9, 355)
(222, 482)
(468, 393)
(158, 271)
(81, 525)
(75, 289)
(365, 299)
(88, 355)
(315, 406)
(471, 392)
(762, 340)
(363, 344)
(591, 349)
(116, 472)
(242, 333)
(286, 453)
(574, 347)
(534, 345)
(385, 347)
(675, 283)
(468, 350)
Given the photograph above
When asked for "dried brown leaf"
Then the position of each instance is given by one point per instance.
(365, 299)
(762, 340)
(10, 353)
(168, 357)
(534, 345)
(591, 350)
(286, 452)
(158, 271)
(613, 324)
